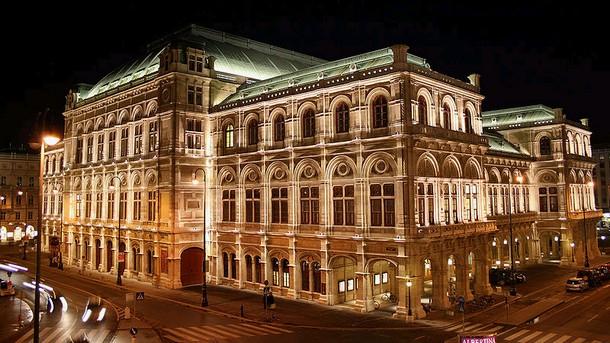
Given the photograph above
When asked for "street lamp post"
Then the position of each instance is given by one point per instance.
(204, 287)
(584, 223)
(572, 245)
(118, 260)
(513, 290)
(50, 141)
(20, 193)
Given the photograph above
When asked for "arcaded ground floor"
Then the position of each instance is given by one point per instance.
(366, 274)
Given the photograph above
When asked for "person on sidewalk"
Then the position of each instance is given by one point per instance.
(268, 301)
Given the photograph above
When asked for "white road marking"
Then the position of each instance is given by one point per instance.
(181, 337)
(455, 327)
(242, 329)
(563, 339)
(530, 336)
(25, 337)
(467, 328)
(205, 331)
(546, 337)
(520, 333)
(220, 331)
(595, 316)
(268, 331)
(579, 340)
(277, 328)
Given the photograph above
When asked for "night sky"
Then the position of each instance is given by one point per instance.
(552, 53)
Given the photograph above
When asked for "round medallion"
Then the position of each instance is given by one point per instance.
(381, 167)
(279, 174)
(309, 172)
(343, 169)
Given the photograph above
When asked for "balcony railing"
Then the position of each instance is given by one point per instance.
(515, 218)
(455, 230)
(439, 132)
(589, 214)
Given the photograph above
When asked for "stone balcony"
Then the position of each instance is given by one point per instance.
(445, 134)
(455, 230)
(589, 214)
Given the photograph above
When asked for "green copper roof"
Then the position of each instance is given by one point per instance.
(234, 55)
(517, 116)
(499, 144)
(346, 66)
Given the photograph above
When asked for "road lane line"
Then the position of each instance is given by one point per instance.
(595, 316)
(260, 328)
(205, 331)
(563, 339)
(181, 336)
(25, 336)
(579, 340)
(51, 336)
(546, 337)
(457, 326)
(252, 332)
(277, 328)
(513, 336)
(220, 331)
(467, 328)
(80, 334)
(530, 336)
(193, 335)
(495, 328)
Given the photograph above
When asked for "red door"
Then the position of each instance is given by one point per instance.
(191, 268)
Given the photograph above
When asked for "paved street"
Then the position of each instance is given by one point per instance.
(175, 315)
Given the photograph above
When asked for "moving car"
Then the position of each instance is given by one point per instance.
(576, 284)
(6, 287)
(94, 310)
(502, 276)
(591, 276)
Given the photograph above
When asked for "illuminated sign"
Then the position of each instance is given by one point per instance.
(478, 339)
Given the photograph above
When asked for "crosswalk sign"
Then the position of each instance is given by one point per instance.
(139, 295)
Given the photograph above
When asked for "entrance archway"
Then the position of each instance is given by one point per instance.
(427, 292)
(471, 272)
(344, 284)
(384, 285)
(191, 267)
(451, 279)
(550, 246)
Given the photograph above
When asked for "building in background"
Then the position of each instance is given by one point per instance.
(18, 196)
(336, 181)
(601, 175)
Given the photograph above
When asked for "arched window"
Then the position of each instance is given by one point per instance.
(225, 264)
(248, 268)
(149, 262)
(380, 112)
(342, 118)
(285, 273)
(258, 268)
(229, 136)
(305, 275)
(446, 117)
(467, 121)
(545, 146)
(233, 266)
(252, 132)
(309, 124)
(317, 277)
(278, 129)
(422, 110)
(275, 268)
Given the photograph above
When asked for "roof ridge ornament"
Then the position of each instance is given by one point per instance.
(353, 68)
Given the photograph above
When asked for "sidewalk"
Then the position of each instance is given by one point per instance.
(14, 309)
(145, 333)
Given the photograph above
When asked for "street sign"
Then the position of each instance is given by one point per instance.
(121, 257)
(139, 295)
(133, 331)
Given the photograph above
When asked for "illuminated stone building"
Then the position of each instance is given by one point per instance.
(336, 181)
(18, 196)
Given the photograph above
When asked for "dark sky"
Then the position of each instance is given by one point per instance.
(527, 52)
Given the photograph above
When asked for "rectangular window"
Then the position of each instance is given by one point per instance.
(199, 96)
(111, 144)
(123, 205)
(542, 200)
(341, 286)
(382, 204)
(553, 203)
(279, 205)
(153, 129)
(90, 148)
(343, 205)
(199, 64)
(152, 205)
(98, 205)
(137, 205)
(87, 205)
(30, 215)
(137, 140)
(253, 205)
(19, 180)
(124, 141)
(286, 279)
(52, 201)
(79, 150)
(100, 147)
(18, 200)
(60, 207)
(190, 95)
(2, 215)
(350, 284)
(110, 213)
(384, 277)
(191, 63)
(17, 215)
(310, 205)
(2, 180)
(228, 205)
(31, 181)
(77, 207)
(377, 279)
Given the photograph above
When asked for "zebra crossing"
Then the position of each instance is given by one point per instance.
(60, 334)
(527, 336)
(469, 326)
(215, 333)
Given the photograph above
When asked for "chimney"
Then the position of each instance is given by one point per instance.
(400, 55)
(584, 121)
(475, 80)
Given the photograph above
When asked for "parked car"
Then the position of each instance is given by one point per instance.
(591, 276)
(502, 276)
(6, 287)
(576, 284)
(604, 272)
(94, 310)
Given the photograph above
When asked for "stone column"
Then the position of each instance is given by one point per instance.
(439, 282)
(462, 280)
(365, 292)
(481, 277)
(417, 289)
